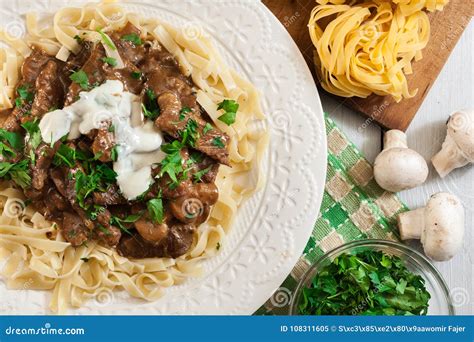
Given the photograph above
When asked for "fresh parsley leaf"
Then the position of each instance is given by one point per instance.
(110, 61)
(196, 157)
(150, 106)
(190, 134)
(95, 211)
(132, 37)
(114, 153)
(122, 223)
(104, 230)
(78, 39)
(173, 147)
(230, 108)
(97, 179)
(24, 95)
(14, 139)
(107, 41)
(198, 175)
(18, 172)
(136, 75)
(206, 128)
(150, 94)
(65, 155)
(80, 77)
(217, 141)
(172, 165)
(155, 209)
(33, 133)
(183, 112)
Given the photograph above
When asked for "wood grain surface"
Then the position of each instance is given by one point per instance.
(446, 29)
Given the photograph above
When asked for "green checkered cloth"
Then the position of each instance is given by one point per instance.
(354, 207)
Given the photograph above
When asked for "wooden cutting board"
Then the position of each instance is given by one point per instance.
(446, 29)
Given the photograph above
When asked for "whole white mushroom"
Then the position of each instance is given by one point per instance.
(397, 167)
(458, 147)
(439, 226)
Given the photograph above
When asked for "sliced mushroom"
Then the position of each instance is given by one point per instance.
(439, 226)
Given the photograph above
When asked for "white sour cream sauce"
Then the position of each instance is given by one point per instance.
(138, 142)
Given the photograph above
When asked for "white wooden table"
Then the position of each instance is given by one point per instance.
(453, 90)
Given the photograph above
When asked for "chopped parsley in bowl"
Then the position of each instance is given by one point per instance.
(372, 277)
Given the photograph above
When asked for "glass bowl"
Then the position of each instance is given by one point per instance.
(440, 302)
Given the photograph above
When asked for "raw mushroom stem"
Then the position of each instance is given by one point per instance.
(394, 138)
(411, 223)
(449, 158)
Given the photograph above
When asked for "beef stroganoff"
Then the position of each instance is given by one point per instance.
(127, 147)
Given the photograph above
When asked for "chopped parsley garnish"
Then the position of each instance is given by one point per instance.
(136, 75)
(98, 155)
(230, 108)
(121, 223)
(85, 259)
(367, 283)
(110, 61)
(33, 137)
(206, 128)
(24, 95)
(78, 39)
(190, 133)
(155, 209)
(111, 128)
(66, 155)
(95, 211)
(107, 41)
(80, 77)
(196, 157)
(33, 132)
(198, 175)
(15, 141)
(183, 112)
(97, 179)
(150, 107)
(18, 172)
(218, 246)
(172, 164)
(114, 153)
(217, 141)
(104, 230)
(132, 37)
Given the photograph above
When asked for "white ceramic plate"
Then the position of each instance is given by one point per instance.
(272, 228)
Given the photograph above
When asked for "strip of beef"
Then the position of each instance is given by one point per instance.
(73, 229)
(101, 228)
(174, 92)
(129, 51)
(205, 166)
(103, 145)
(93, 68)
(111, 196)
(75, 62)
(49, 91)
(30, 70)
(177, 242)
(44, 155)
